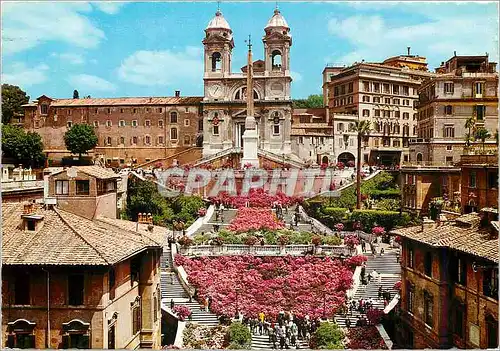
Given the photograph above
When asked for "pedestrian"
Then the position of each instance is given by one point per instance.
(206, 304)
(363, 271)
(172, 304)
(348, 322)
(382, 251)
(380, 292)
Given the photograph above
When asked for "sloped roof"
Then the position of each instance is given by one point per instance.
(94, 171)
(64, 238)
(124, 101)
(463, 234)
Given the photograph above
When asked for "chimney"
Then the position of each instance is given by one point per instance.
(139, 217)
(177, 93)
(408, 48)
(28, 209)
(149, 219)
(427, 224)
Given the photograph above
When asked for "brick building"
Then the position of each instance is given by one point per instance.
(464, 87)
(384, 94)
(449, 295)
(130, 131)
(479, 182)
(72, 282)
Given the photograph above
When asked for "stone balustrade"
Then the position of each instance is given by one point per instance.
(264, 250)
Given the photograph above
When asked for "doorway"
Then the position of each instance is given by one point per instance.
(240, 130)
(111, 337)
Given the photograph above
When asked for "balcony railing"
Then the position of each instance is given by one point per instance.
(266, 250)
(428, 164)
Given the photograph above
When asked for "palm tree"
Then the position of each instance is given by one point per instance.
(362, 128)
(482, 134)
(469, 124)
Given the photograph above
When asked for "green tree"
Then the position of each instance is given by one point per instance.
(313, 101)
(469, 124)
(12, 100)
(239, 336)
(80, 139)
(328, 336)
(24, 148)
(362, 128)
(482, 134)
(76, 95)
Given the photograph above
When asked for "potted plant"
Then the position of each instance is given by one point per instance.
(202, 212)
(185, 241)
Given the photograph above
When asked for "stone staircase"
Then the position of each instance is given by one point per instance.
(172, 289)
(262, 342)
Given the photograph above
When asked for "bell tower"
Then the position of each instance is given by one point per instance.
(218, 44)
(277, 42)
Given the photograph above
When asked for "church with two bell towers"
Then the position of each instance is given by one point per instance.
(225, 100)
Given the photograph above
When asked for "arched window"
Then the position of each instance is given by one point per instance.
(406, 130)
(173, 117)
(76, 335)
(414, 130)
(387, 128)
(428, 264)
(187, 140)
(21, 334)
(216, 61)
(276, 59)
(108, 140)
(241, 94)
(134, 140)
(419, 157)
(147, 140)
(173, 133)
(397, 129)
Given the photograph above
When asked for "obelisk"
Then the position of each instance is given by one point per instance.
(250, 136)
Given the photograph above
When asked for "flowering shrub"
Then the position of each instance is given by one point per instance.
(181, 311)
(202, 212)
(185, 241)
(365, 338)
(316, 240)
(339, 227)
(355, 261)
(332, 186)
(340, 165)
(374, 315)
(250, 219)
(350, 163)
(398, 239)
(255, 284)
(202, 337)
(378, 230)
(283, 240)
(324, 166)
(251, 240)
(397, 285)
(256, 198)
(357, 226)
(351, 241)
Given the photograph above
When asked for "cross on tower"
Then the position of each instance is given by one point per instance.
(218, 5)
(249, 41)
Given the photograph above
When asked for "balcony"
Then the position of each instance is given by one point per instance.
(430, 165)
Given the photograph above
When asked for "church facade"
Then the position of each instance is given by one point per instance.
(225, 92)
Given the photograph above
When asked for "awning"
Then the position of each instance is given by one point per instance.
(392, 304)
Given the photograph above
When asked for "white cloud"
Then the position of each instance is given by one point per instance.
(69, 57)
(162, 67)
(28, 24)
(372, 38)
(91, 83)
(19, 74)
(296, 76)
(108, 7)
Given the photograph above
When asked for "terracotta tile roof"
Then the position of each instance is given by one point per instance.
(94, 171)
(157, 234)
(463, 234)
(123, 101)
(64, 238)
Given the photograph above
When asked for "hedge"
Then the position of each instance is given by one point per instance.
(239, 336)
(328, 336)
(386, 219)
(385, 193)
(331, 215)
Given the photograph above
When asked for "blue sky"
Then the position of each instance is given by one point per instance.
(111, 49)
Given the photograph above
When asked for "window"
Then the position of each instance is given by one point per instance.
(376, 142)
(387, 100)
(428, 308)
(492, 332)
(340, 127)
(461, 276)
(76, 283)
(96, 123)
(406, 115)
(82, 187)
(366, 98)
(134, 140)
(147, 140)
(396, 101)
(134, 110)
(397, 114)
(134, 123)
(428, 264)
(336, 91)
(472, 179)
(69, 124)
(160, 140)
(395, 89)
(216, 130)
(480, 112)
(122, 140)
(377, 113)
(108, 141)
(136, 319)
(173, 133)
(350, 100)
(411, 297)
(493, 180)
(350, 88)
(376, 87)
(108, 123)
(135, 268)
(186, 122)
(386, 88)
(366, 86)
(411, 258)
(147, 123)
(121, 123)
(301, 140)
(386, 113)
(449, 131)
(414, 116)
(448, 88)
(478, 88)
(159, 110)
(216, 61)
(62, 187)
(376, 99)
(342, 89)
(22, 289)
(490, 283)
(458, 318)
(406, 90)
(366, 113)
(187, 140)
(449, 147)
(148, 109)
(396, 143)
(44, 109)
(448, 110)
(121, 110)
(173, 117)
(414, 130)
(160, 123)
